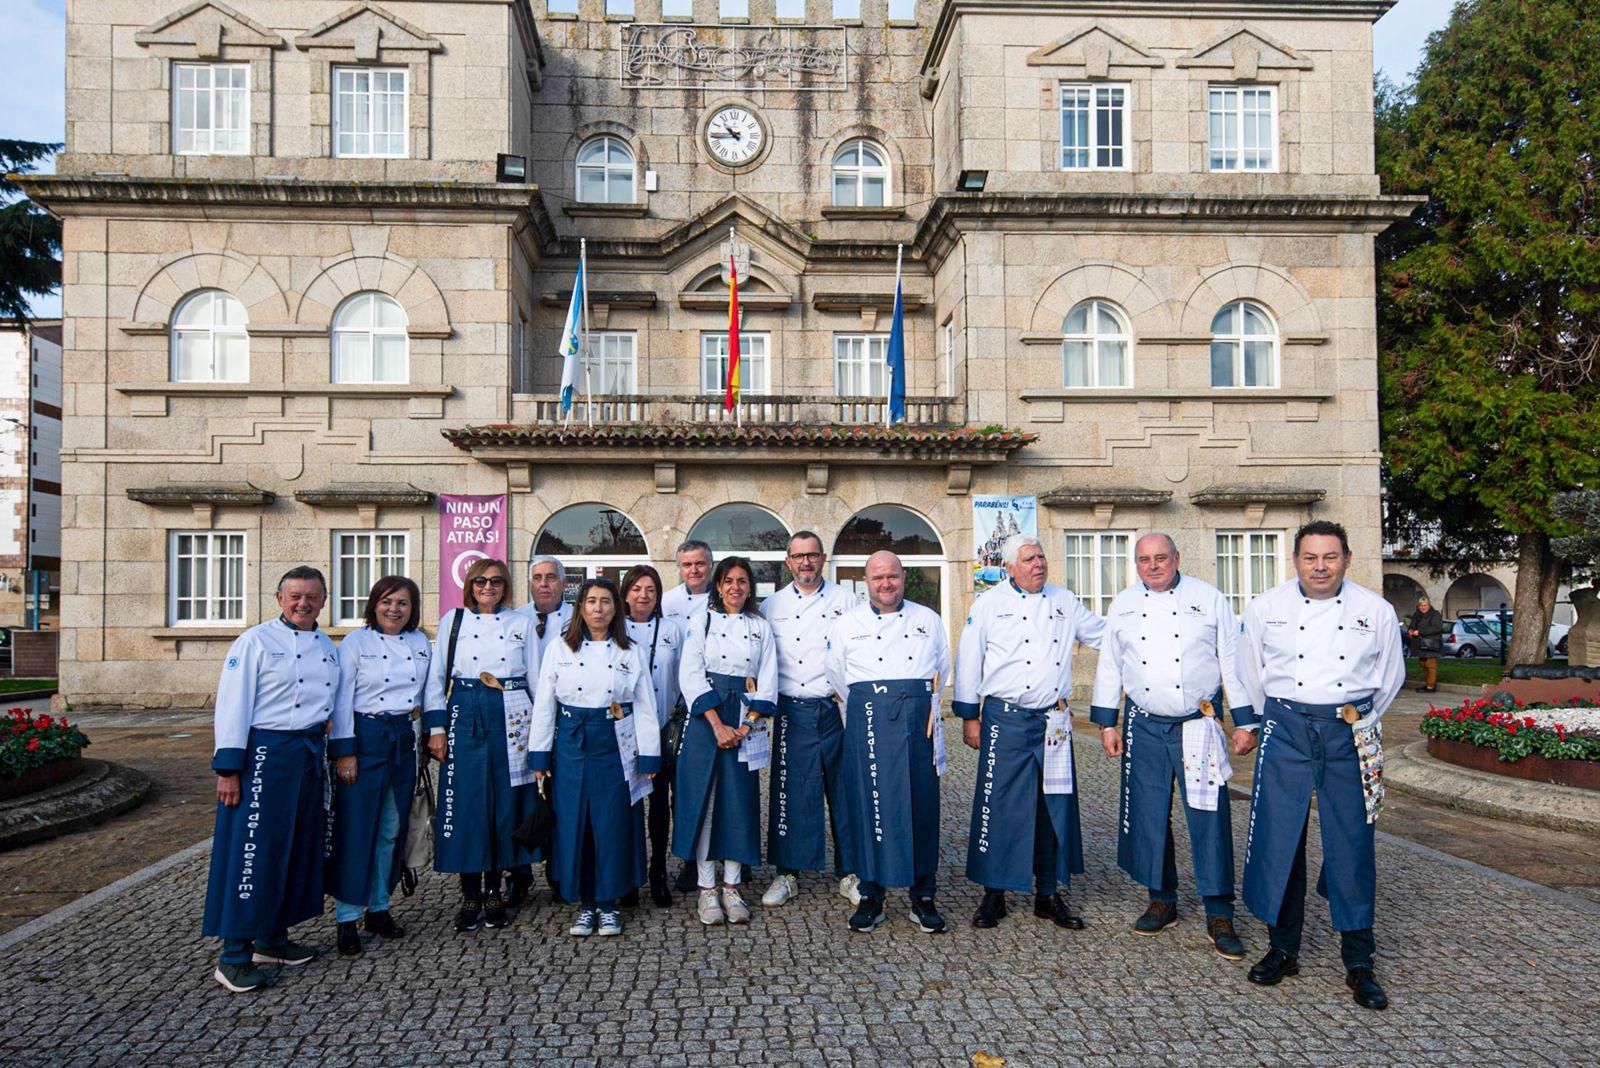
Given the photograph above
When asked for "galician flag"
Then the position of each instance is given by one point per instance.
(571, 344)
(895, 359)
(731, 397)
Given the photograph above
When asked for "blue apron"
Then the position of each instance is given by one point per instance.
(891, 814)
(266, 853)
(1005, 803)
(478, 808)
(1306, 748)
(807, 743)
(590, 796)
(386, 764)
(1152, 758)
(703, 771)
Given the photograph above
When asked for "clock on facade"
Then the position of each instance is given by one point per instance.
(735, 136)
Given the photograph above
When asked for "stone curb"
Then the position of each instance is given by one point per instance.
(1411, 770)
(101, 792)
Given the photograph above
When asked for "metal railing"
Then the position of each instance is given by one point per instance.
(754, 409)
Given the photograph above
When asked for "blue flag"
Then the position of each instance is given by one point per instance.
(897, 360)
(571, 343)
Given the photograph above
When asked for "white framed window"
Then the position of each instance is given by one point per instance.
(860, 365)
(361, 558)
(1097, 352)
(205, 577)
(519, 354)
(1244, 347)
(754, 363)
(860, 175)
(369, 339)
(611, 361)
(210, 338)
(1243, 128)
(1094, 126)
(947, 343)
(371, 109)
(605, 171)
(210, 109)
(1099, 564)
(1249, 562)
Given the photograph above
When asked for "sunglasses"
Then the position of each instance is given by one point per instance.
(480, 581)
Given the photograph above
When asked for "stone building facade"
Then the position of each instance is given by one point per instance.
(30, 476)
(318, 256)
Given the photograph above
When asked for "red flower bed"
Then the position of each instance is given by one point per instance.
(30, 740)
(1555, 732)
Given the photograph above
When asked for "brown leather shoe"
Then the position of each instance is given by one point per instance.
(1157, 918)
(1219, 929)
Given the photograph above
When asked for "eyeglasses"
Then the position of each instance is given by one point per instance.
(805, 556)
(481, 581)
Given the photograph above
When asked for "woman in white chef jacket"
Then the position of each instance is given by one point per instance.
(383, 670)
(661, 639)
(594, 683)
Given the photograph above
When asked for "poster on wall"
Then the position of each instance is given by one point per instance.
(996, 517)
(472, 527)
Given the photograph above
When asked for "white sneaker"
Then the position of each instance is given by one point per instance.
(710, 908)
(738, 911)
(782, 889)
(850, 889)
(610, 924)
(583, 926)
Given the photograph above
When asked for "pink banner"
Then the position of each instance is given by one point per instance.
(472, 527)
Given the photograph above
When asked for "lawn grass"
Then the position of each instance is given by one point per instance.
(26, 685)
(1457, 672)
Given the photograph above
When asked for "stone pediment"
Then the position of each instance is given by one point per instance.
(367, 30)
(1244, 51)
(1096, 48)
(207, 27)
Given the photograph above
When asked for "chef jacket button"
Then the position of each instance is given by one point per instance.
(1144, 661)
(1338, 684)
(1341, 627)
(1299, 684)
(1144, 615)
(1341, 658)
(1302, 656)
(297, 656)
(1302, 627)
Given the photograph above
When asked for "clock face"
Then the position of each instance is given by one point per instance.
(734, 135)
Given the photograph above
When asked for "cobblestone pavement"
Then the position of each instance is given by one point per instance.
(1480, 968)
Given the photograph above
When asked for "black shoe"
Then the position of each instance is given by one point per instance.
(926, 917)
(1224, 939)
(686, 881)
(1274, 968)
(521, 887)
(494, 912)
(1430, 689)
(1054, 907)
(630, 900)
(349, 939)
(1365, 990)
(1157, 918)
(383, 925)
(659, 894)
(467, 918)
(867, 917)
(991, 910)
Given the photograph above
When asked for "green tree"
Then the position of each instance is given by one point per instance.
(30, 238)
(1489, 307)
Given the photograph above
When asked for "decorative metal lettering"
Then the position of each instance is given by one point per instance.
(671, 56)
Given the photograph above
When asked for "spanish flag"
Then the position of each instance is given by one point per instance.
(730, 397)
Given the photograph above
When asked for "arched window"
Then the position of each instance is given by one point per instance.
(369, 340)
(750, 531)
(1244, 347)
(591, 541)
(210, 342)
(1097, 350)
(605, 171)
(907, 535)
(860, 175)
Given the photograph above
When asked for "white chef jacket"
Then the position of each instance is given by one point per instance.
(503, 644)
(555, 625)
(865, 645)
(1322, 652)
(678, 603)
(1018, 647)
(717, 643)
(278, 678)
(592, 676)
(1167, 651)
(800, 623)
(667, 636)
(380, 674)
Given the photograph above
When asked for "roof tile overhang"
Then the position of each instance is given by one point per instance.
(727, 444)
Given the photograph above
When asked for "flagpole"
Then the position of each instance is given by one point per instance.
(733, 356)
(588, 389)
(888, 398)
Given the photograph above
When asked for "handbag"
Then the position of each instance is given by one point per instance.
(419, 833)
(538, 826)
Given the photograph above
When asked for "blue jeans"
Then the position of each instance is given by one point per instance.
(382, 863)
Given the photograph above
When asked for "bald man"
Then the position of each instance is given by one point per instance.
(884, 659)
